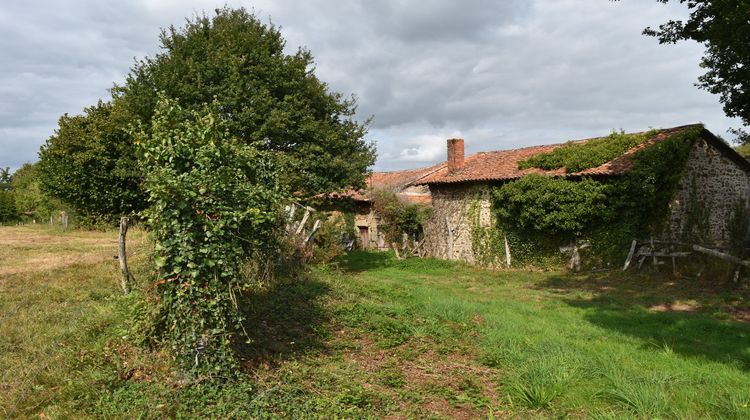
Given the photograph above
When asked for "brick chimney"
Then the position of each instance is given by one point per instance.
(455, 154)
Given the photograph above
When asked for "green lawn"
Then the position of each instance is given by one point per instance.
(376, 337)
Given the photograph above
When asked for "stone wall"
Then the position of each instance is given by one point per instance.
(365, 217)
(707, 196)
(451, 204)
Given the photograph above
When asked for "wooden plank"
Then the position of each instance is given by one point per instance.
(575, 260)
(640, 261)
(315, 227)
(630, 255)
(302, 223)
(395, 250)
(507, 251)
(721, 255)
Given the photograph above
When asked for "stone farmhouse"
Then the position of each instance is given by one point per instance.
(716, 176)
(403, 183)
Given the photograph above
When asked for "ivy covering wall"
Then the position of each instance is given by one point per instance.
(540, 213)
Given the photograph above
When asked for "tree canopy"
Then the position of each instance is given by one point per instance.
(89, 163)
(267, 98)
(30, 201)
(723, 26)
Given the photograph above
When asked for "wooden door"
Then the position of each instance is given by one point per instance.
(364, 236)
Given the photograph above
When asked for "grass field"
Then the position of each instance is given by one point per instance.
(376, 337)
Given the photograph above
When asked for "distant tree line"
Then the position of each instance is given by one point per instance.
(22, 199)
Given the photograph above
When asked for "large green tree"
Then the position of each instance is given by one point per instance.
(30, 200)
(8, 210)
(723, 26)
(267, 98)
(89, 163)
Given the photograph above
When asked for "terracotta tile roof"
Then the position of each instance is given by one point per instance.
(396, 181)
(503, 164)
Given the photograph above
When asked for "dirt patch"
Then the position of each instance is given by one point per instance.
(440, 407)
(449, 382)
(740, 314)
(676, 306)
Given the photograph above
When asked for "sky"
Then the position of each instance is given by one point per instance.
(500, 74)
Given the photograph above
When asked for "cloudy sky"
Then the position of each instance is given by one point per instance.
(501, 74)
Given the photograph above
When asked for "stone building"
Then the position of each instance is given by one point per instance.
(716, 179)
(403, 183)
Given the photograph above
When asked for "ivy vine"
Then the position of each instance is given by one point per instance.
(212, 203)
(607, 212)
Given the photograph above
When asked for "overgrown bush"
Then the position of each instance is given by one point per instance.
(213, 202)
(557, 206)
(336, 230)
(398, 216)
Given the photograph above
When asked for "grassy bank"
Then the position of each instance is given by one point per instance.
(379, 337)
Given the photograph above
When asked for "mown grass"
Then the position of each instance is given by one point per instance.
(374, 337)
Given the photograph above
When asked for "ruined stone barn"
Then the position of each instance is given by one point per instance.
(403, 183)
(714, 181)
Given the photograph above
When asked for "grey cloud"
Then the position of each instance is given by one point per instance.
(500, 74)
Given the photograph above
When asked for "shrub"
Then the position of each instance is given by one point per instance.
(398, 216)
(213, 202)
(552, 205)
(330, 240)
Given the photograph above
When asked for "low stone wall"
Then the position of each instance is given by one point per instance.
(452, 205)
(707, 196)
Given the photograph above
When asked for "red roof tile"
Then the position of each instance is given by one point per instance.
(503, 164)
(395, 181)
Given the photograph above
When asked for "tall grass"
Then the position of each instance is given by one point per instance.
(378, 337)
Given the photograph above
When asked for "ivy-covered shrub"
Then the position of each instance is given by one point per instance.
(398, 216)
(335, 232)
(552, 205)
(539, 213)
(213, 202)
(578, 156)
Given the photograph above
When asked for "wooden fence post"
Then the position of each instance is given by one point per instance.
(507, 251)
(125, 281)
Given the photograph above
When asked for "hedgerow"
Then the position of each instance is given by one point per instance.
(213, 202)
(607, 212)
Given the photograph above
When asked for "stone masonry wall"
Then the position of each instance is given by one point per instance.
(707, 196)
(710, 190)
(452, 203)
